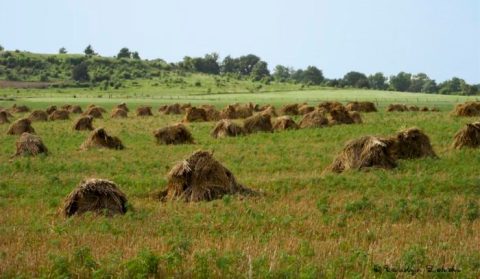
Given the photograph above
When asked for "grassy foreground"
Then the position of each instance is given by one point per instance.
(424, 213)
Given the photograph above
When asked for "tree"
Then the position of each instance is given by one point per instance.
(430, 86)
(312, 75)
(417, 82)
(356, 79)
(297, 75)
(124, 53)
(89, 51)
(281, 73)
(62, 50)
(80, 72)
(377, 81)
(453, 85)
(259, 71)
(246, 64)
(207, 64)
(1, 48)
(229, 65)
(400, 82)
(135, 55)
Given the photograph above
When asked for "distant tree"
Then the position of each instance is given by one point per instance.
(207, 64)
(80, 72)
(260, 71)
(246, 64)
(229, 65)
(400, 82)
(62, 50)
(89, 51)
(356, 79)
(312, 75)
(281, 73)
(297, 75)
(377, 81)
(124, 53)
(430, 86)
(453, 85)
(1, 48)
(417, 82)
(135, 55)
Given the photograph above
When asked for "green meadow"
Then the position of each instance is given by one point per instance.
(423, 215)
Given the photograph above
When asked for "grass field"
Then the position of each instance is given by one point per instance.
(308, 225)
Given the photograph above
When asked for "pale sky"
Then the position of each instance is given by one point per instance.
(438, 37)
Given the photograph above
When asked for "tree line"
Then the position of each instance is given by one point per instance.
(250, 67)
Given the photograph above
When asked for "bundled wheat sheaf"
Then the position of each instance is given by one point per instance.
(99, 196)
(201, 178)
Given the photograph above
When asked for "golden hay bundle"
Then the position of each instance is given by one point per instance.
(468, 136)
(409, 144)
(469, 109)
(4, 117)
(201, 178)
(314, 119)
(237, 111)
(100, 139)
(228, 112)
(19, 109)
(363, 153)
(38, 115)
(119, 113)
(66, 107)
(226, 128)
(23, 125)
(284, 123)
(75, 109)
(59, 115)
(122, 106)
(94, 112)
(424, 109)
(270, 110)
(171, 109)
(304, 109)
(195, 114)
(397, 107)
(328, 106)
(258, 123)
(102, 110)
(51, 109)
(290, 109)
(357, 118)
(340, 115)
(30, 145)
(162, 108)
(413, 108)
(212, 113)
(174, 134)
(6, 112)
(144, 111)
(184, 107)
(244, 111)
(83, 123)
(99, 196)
(361, 107)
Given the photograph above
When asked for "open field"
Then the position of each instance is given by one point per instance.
(308, 225)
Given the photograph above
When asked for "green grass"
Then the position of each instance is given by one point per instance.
(308, 225)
